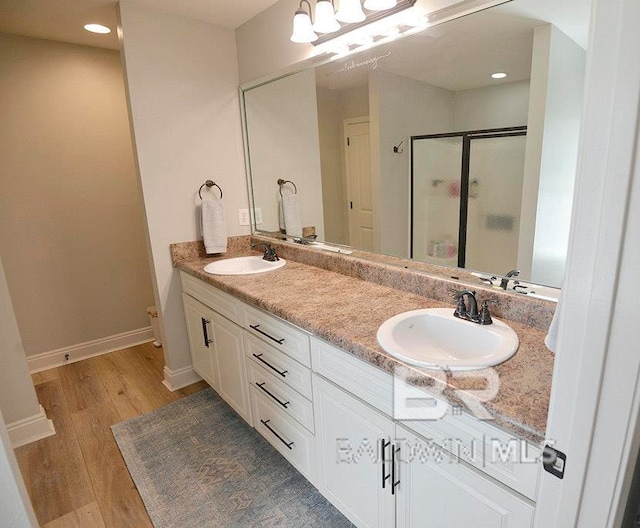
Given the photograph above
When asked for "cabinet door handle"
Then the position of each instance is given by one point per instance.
(266, 424)
(205, 334)
(394, 482)
(283, 373)
(383, 447)
(257, 329)
(261, 386)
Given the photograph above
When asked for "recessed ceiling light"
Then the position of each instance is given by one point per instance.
(97, 28)
(499, 75)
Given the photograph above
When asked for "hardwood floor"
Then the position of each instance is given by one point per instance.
(77, 478)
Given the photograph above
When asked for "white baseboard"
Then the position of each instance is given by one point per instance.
(177, 379)
(71, 354)
(30, 429)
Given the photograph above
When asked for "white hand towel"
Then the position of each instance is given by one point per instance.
(551, 341)
(214, 228)
(292, 222)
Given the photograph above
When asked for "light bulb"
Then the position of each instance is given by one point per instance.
(350, 11)
(97, 28)
(302, 28)
(325, 18)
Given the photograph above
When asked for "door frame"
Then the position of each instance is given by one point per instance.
(590, 409)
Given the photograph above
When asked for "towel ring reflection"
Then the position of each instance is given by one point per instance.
(209, 183)
(281, 182)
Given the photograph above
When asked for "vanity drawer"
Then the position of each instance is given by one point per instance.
(279, 334)
(365, 381)
(286, 399)
(292, 440)
(279, 364)
(510, 460)
(221, 302)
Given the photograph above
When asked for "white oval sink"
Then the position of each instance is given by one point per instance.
(243, 266)
(434, 338)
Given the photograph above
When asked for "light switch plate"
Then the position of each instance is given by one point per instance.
(243, 217)
(258, 215)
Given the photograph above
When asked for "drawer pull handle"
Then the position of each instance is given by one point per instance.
(394, 482)
(257, 329)
(283, 373)
(383, 445)
(266, 424)
(205, 334)
(261, 386)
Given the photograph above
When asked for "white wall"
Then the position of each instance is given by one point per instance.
(182, 83)
(263, 42)
(497, 106)
(399, 108)
(331, 159)
(18, 398)
(282, 121)
(15, 506)
(72, 232)
(559, 157)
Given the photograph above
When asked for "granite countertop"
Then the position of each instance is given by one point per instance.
(347, 312)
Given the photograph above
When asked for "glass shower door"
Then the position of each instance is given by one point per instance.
(496, 169)
(435, 198)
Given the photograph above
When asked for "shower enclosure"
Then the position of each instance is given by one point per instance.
(466, 197)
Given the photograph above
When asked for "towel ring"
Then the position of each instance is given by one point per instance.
(209, 183)
(281, 182)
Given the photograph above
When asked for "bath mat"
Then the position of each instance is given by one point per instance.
(196, 463)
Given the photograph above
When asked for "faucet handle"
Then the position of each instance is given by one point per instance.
(461, 307)
(484, 318)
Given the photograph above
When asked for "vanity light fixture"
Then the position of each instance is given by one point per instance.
(325, 17)
(498, 75)
(97, 28)
(350, 13)
(303, 25)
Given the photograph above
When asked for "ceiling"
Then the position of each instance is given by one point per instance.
(63, 20)
(463, 53)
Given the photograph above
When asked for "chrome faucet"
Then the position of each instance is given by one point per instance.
(269, 253)
(471, 313)
(505, 280)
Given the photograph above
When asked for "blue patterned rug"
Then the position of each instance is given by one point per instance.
(196, 463)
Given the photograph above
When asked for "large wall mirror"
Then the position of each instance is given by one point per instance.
(413, 149)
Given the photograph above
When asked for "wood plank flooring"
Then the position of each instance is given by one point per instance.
(77, 478)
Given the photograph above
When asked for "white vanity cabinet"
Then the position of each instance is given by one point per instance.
(380, 473)
(331, 415)
(354, 472)
(258, 364)
(228, 353)
(216, 342)
(198, 318)
(437, 489)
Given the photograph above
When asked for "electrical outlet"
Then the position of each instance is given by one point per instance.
(243, 217)
(258, 215)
